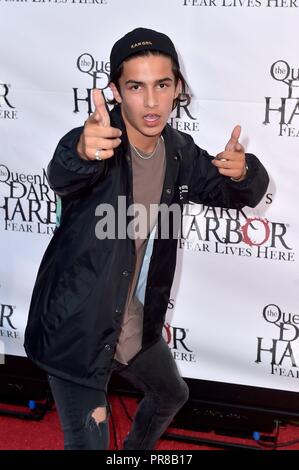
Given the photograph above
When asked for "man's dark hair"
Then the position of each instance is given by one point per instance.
(182, 97)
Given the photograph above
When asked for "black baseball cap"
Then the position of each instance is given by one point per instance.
(141, 39)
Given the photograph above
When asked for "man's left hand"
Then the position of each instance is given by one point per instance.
(232, 161)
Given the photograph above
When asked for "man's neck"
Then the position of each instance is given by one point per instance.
(144, 143)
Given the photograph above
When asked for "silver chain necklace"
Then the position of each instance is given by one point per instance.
(148, 157)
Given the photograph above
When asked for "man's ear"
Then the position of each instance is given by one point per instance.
(178, 89)
(115, 92)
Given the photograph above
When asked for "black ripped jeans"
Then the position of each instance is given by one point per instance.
(154, 371)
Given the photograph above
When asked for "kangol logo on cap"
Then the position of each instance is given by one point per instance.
(142, 43)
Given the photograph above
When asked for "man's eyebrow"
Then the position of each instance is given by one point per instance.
(137, 82)
(166, 79)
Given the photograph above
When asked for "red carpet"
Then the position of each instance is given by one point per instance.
(20, 434)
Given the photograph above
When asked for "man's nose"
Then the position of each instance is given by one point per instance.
(150, 99)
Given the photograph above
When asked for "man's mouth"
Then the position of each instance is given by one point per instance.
(151, 117)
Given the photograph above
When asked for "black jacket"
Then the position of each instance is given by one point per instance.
(81, 287)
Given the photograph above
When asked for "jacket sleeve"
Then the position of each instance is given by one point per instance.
(208, 186)
(67, 172)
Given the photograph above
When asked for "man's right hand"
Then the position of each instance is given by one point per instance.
(98, 139)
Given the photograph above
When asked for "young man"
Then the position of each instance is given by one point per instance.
(99, 302)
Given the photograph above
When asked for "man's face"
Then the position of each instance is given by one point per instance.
(147, 90)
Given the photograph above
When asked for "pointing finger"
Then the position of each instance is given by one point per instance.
(234, 139)
(100, 114)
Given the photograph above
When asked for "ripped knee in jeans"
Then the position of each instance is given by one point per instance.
(96, 416)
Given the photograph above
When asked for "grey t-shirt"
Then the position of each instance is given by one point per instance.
(148, 179)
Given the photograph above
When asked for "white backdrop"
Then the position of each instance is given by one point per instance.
(234, 312)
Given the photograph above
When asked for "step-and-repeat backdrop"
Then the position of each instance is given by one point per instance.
(234, 312)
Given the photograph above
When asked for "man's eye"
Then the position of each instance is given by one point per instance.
(135, 87)
(162, 85)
